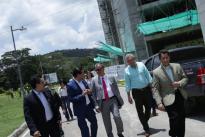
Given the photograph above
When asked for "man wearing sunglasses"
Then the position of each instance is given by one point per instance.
(138, 81)
(41, 113)
(107, 100)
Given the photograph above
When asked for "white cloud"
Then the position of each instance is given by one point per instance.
(51, 24)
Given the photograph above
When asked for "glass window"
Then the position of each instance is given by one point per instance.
(156, 62)
(188, 54)
(148, 64)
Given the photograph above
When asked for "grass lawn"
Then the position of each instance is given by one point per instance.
(11, 114)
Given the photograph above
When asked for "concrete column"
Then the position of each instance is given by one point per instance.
(201, 10)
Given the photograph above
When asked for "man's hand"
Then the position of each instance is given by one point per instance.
(98, 110)
(37, 134)
(176, 84)
(130, 99)
(89, 91)
(85, 92)
(161, 107)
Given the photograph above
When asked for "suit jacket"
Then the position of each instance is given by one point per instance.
(98, 92)
(34, 111)
(76, 97)
(161, 86)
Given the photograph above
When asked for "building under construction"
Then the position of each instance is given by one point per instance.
(143, 27)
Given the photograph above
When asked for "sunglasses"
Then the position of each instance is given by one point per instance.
(41, 82)
(99, 69)
(129, 60)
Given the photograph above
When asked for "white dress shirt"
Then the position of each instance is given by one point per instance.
(89, 82)
(63, 91)
(46, 105)
(81, 85)
(109, 90)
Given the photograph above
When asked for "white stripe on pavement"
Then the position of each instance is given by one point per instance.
(26, 133)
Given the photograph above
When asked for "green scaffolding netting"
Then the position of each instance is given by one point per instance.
(104, 56)
(101, 59)
(169, 23)
(110, 49)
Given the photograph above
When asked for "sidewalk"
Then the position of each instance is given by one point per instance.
(159, 125)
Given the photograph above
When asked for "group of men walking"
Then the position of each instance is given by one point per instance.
(101, 93)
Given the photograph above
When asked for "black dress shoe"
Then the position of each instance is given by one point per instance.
(147, 133)
(120, 135)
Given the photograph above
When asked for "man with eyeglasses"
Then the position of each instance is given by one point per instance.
(40, 110)
(138, 81)
(107, 100)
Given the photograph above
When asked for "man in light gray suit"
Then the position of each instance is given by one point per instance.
(107, 100)
(168, 84)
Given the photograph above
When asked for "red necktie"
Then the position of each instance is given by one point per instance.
(105, 89)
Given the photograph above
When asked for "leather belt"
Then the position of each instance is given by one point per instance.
(142, 89)
(109, 98)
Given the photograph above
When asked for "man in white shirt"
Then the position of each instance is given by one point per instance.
(83, 104)
(65, 100)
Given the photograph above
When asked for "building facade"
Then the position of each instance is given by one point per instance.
(125, 17)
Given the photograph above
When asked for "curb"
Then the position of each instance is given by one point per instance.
(19, 131)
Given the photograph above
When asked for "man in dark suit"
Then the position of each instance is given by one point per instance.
(41, 111)
(83, 104)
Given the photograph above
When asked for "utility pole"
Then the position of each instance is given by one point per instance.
(17, 60)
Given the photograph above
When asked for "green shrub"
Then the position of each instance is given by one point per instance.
(10, 93)
(2, 91)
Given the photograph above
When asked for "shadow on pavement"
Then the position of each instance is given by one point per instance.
(198, 116)
(69, 121)
(152, 131)
(198, 113)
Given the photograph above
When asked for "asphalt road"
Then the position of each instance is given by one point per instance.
(195, 126)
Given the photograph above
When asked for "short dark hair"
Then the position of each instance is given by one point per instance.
(36, 79)
(76, 71)
(163, 51)
(62, 81)
(91, 74)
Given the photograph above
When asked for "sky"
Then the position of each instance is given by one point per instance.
(50, 24)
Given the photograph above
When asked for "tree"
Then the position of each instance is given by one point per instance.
(9, 78)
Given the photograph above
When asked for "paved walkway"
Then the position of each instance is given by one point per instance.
(195, 127)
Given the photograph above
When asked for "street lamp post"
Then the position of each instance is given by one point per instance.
(17, 61)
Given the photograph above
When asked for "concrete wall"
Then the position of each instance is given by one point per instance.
(126, 18)
(108, 22)
(201, 10)
(127, 14)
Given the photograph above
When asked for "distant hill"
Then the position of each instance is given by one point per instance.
(78, 52)
(63, 61)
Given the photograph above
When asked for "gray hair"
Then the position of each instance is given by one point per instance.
(99, 64)
(129, 56)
